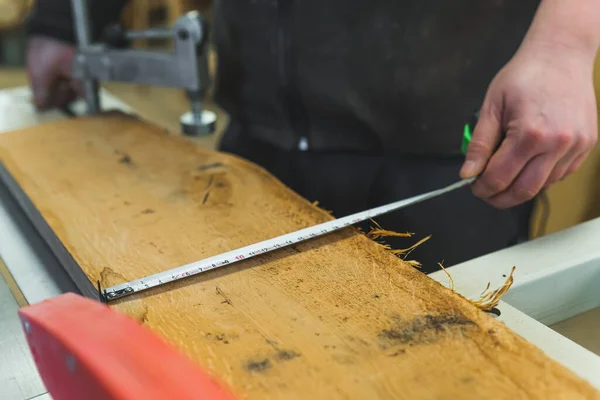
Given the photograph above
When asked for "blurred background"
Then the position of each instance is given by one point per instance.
(162, 106)
(572, 201)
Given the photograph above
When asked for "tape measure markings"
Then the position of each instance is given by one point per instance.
(243, 253)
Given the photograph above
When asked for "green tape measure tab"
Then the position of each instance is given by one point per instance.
(468, 132)
(467, 135)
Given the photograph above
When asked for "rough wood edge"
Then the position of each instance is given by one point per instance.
(68, 263)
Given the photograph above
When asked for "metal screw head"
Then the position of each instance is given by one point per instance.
(27, 326)
(303, 144)
(183, 34)
(494, 313)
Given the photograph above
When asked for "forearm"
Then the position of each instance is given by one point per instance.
(568, 25)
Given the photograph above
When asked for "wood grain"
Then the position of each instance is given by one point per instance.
(335, 318)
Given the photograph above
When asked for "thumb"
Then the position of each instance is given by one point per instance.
(486, 137)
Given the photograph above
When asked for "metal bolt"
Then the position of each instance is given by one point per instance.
(27, 326)
(303, 144)
(71, 363)
(494, 313)
(183, 34)
(191, 126)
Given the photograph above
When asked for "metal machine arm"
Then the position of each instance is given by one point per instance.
(186, 67)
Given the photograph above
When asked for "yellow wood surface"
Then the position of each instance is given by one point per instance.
(336, 318)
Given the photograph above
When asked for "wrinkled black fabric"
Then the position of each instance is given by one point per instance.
(54, 18)
(392, 76)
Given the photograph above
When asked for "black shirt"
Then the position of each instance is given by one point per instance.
(393, 76)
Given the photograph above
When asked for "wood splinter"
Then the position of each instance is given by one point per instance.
(488, 300)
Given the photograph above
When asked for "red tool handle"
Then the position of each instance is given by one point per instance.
(85, 350)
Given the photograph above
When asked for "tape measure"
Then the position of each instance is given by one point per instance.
(244, 253)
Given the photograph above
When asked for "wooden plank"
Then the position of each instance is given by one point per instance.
(338, 317)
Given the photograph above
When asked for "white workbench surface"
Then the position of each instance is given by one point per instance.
(27, 257)
(557, 276)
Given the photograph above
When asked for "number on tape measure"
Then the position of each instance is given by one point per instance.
(126, 289)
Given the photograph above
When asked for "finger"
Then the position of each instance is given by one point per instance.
(47, 62)
(576, 164)
(63, 95)
(40, 77)
(64, 63)
(573, 160)
(561, 167)
(571, 168)
(39, 82)
(510, 159)
(55, 91)
(486, 136)
(77, 87)
(528, 184)
(589, 145)
(34, 75)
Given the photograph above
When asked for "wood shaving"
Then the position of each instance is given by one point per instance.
(449, 277)
(377, 233)
(413, 263)
(488, 300)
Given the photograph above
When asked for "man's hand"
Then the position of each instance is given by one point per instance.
(49, 71)
(538, 122)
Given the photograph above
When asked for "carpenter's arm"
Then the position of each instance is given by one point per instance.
(540, 108)
(572, 25)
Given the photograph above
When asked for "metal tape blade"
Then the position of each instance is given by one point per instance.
(244, 253)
